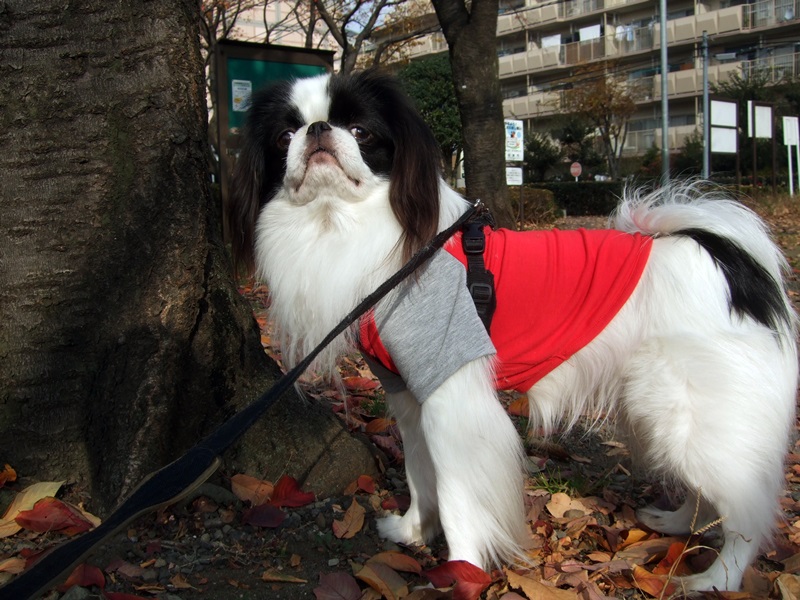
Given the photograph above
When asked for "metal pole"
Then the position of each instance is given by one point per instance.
(706, 115)
(664, 92)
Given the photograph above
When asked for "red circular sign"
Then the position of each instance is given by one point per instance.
(575, 169)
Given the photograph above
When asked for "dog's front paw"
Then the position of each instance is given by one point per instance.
(401, 530)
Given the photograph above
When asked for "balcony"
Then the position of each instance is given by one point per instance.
(771, 13)
(777, 68)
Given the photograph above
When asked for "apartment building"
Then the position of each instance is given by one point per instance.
(540, 43)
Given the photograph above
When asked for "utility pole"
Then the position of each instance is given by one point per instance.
(706, 115)
(664, 100)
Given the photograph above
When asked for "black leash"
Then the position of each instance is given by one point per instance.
(179, 478)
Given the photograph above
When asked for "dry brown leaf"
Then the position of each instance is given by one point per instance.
(789, 586)
(12, 565)
(561, 503)
(276, 576)
(397, 561)
(384, 580)
(252, 490)
(352, 522)
(536, 589)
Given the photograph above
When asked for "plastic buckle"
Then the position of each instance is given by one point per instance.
(481, 292)
(473, 240)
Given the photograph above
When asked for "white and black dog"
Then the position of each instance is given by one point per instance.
(689, 343)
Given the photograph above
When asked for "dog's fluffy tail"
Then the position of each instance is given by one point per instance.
(735, 237)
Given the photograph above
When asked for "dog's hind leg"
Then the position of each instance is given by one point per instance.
(477, 455)
(715, 413)
(420, 524)
(692, 515)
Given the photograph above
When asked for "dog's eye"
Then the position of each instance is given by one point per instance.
(285, 138)
(361, 134)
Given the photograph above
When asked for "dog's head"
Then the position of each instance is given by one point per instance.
(344, 136)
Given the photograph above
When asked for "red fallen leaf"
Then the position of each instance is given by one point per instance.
(7, 475)
(287, 493)
(337, 586)
(84, 576)
(366, 484)
(396, 503)
(263, 515)
(49, 514)
(675, 554)
(355, 384)
(657, 586)
(121, 596)
(469, 580)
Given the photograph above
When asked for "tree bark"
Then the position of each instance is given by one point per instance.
(122, 336)
(471, 39)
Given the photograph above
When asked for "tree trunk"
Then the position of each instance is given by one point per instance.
(122, 336)
(471, 38)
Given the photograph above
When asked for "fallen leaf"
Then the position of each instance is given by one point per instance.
(49, 514)
(250, 489)
(84, 576)
(7, 475)
(641, 553)
(519, 407)
(470, 581)
(180, 582)
(276, 576)
(396, 503)
(357, 384)
(26, 500)
(378, 425)
(366, 484)
(12, 565)
(397, 561)
(656, 585)
(121, 596)
(561, 503)
(287, 493)
(337, 586)
(384, 580)
(352, 522)
(263, 515)
(538, 590)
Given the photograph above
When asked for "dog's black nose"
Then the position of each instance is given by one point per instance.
(318, 128)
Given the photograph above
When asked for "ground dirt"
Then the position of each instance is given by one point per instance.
(209, 547)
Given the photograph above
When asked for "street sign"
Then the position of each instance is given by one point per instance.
(575, 170)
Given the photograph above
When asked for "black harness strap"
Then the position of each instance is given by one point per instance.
(480, 281)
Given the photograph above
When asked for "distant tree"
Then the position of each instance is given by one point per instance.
(689, 160)
(351, 23)
(430, 83)
(577, 138)
(605, 98)
(541, 155)
(470, 27)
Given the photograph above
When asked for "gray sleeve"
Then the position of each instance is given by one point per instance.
(430, 326)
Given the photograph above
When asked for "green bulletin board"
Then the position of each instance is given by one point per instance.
(243, 68)
(247, 75)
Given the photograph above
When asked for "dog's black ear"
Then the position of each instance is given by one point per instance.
(259, 169)
(416, 163)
